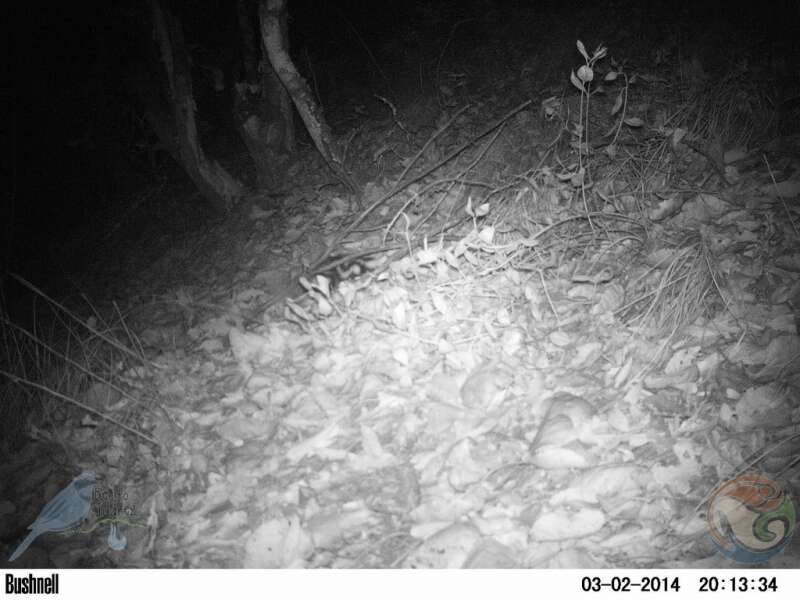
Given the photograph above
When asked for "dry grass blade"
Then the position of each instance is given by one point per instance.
(73, 363)
(52, 357)
(106, 338)
(78, 404)
(677, 295)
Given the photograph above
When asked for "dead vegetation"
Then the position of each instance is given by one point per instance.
(611, 250)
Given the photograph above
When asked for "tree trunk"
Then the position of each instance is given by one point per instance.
(272, 18)
(178, 132)
(262, 109)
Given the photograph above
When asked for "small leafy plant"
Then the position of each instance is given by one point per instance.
(583, 81)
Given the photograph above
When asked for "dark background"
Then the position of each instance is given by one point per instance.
(78, 144)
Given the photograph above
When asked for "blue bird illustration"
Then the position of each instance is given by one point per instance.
(65, 511)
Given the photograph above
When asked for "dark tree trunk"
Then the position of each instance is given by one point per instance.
(272, 21)
(262, 108)
(177, 129)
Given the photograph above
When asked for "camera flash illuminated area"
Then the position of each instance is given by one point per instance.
(344, 288)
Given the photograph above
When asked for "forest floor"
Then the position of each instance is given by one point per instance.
(565, 353)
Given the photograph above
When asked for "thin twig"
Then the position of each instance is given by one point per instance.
(108, 339)
(366, 49)
(400, 185)
(441, 55)
(70, 361)
(77, 403)
(783, 200)
(395, 188)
